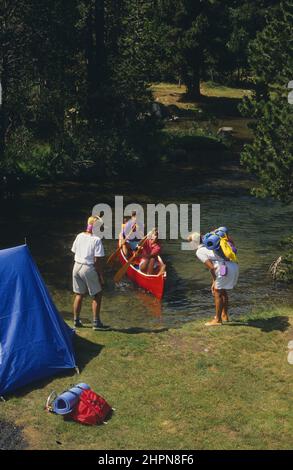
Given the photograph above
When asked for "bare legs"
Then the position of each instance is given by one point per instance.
(77, 306)
(96, 306)
(148, 267)
(218, 304)
(225, 316)
(221, 306)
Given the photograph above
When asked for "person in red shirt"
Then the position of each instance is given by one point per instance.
(150, 251)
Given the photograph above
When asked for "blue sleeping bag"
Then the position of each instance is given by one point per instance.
(65, 402)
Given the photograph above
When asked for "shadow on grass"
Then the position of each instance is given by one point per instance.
(266, 325)
(138, 330)
(220, 107)
(217, 106)
(40, 384)
(85, 351)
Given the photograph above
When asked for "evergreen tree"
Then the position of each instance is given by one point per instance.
(15, 67)
(270, 156)
(52, 50)
(246, 19)
(197, 34)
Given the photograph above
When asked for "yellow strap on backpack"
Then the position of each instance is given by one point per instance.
(227, 249)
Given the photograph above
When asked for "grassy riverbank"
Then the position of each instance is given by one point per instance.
(187, 388)
(190, 388)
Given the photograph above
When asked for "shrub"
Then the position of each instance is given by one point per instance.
(282, 268)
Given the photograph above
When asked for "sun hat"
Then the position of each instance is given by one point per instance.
(91, 221)
(194, 240)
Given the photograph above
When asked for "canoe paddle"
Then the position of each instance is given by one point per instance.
(112, 257)
(119, 275)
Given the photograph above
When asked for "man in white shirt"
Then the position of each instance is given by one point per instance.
(87, 273)
(222, 279)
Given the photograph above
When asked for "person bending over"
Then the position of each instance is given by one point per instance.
(224, 275)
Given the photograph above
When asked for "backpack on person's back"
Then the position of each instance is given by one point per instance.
(220, 241)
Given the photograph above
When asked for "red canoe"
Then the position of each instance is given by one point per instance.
(153, 283)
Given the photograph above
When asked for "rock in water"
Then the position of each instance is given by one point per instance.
(225, 131)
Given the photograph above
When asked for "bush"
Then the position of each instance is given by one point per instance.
(191, 144)
(83, 154)
(282, 268)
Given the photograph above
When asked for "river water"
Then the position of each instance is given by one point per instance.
(50, 217)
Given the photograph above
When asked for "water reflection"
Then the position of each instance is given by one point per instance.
(51, 219)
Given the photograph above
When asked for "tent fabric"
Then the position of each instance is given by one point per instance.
(35, 342)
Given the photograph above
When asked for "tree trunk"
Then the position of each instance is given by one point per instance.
(193, 86)
(100, 42)
(2, 131)
(4, 83)
(3, 118)
(89, 55)
(238, 75)
(95, 57)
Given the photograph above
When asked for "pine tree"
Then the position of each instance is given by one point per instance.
(270, 156)
(195, 37)
(15, 67)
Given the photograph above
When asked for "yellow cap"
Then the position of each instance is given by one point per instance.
(194, 240)
(91, 220)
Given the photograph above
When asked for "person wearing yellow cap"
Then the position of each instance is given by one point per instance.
(87, 272)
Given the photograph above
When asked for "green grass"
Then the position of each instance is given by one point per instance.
(170, 93)
(190, 388)
(217, 108)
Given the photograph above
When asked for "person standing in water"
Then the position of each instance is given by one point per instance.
(87, 273)
(224, 275)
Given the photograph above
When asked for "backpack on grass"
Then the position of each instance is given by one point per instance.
(91, 409)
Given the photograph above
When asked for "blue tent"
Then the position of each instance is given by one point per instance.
(35, 342)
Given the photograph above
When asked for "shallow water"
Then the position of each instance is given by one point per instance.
(51, 216)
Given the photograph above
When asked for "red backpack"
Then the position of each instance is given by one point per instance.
(91, 408)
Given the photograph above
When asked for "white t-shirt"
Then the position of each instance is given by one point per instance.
(86, 248)
(204, 255)
(227, 281)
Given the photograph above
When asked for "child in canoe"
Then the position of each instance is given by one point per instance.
(149, 252)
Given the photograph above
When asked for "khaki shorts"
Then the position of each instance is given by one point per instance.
(85, 279)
